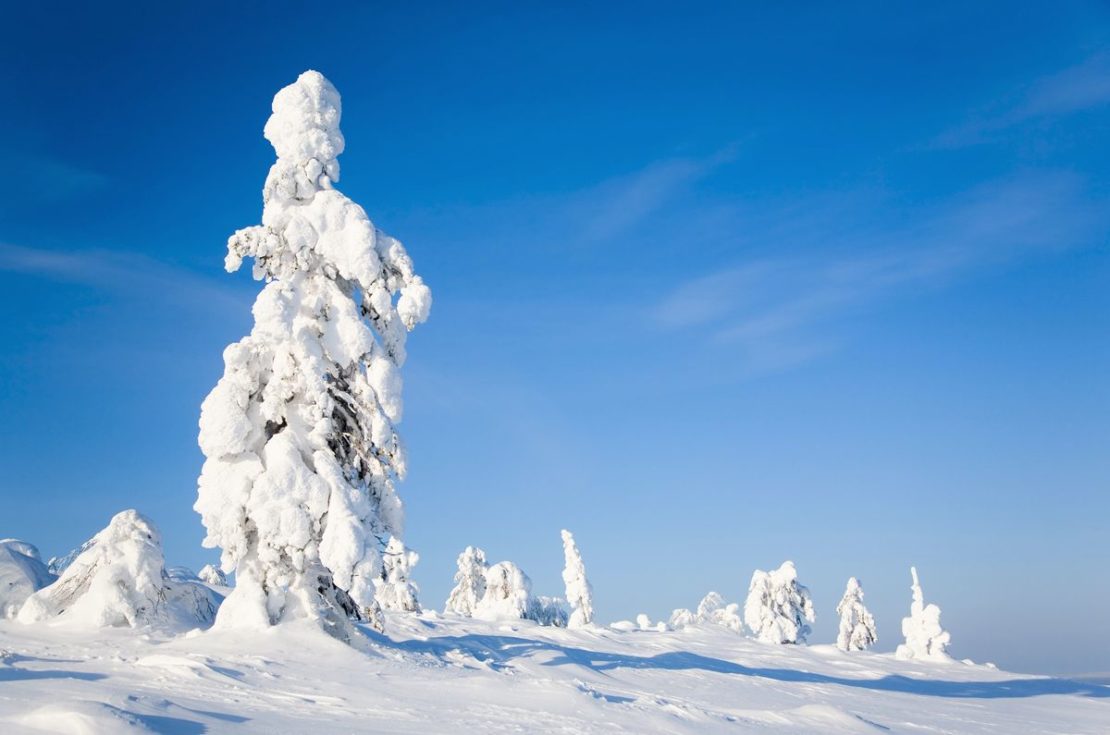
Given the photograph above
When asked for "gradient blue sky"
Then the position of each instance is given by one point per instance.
(715, 287)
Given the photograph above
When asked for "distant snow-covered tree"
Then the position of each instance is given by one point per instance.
(213, 575)
(120, 579)
(682, 617)
(470, 582)
(778, 608)
(580, 594)
(508, 593)
(715, 611)
(857, 626)
(925, 638)
(549, 611)
(299, 434)
(396, 590)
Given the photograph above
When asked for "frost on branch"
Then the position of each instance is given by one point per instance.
(925, 639)
(857, 626)
(22, 573)
(395, 590)
(580, 594)
(120, 579)
(778, 608)
(470, 583)
(300, 439)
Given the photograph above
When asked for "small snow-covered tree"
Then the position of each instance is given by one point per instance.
(299, 434)
(778, 608)
(580, 594)
(857, 627)
(508, 593)
(470, 582)
(713, 610)
(925, 638)
(396, 590)
(682, 617)
(549, 611)
(120, 579)
(211, 574)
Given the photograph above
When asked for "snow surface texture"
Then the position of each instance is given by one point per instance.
(580, 594)
(119, 579)
(396, 591)
(459, 675)
(470, 583)
(925, 639)
(300, 432)
(778, 608)
(21, 574)
(857, 626)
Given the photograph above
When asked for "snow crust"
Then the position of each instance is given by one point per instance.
(452, 674)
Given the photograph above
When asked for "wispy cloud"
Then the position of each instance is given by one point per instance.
(126, 273)
(782, 306)
(1079, 88)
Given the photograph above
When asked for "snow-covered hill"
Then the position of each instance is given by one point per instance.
(435, 674)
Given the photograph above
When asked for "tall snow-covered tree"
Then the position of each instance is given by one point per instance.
(925, 638)
(580, 593)
(857, 626)
(299, 434)
(778, 608)
(470, 582)
(396, 590)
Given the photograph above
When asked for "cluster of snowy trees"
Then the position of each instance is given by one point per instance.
(504, 592)
(302, 455)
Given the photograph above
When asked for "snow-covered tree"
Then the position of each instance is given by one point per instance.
(713, 610)
(300, 432)
(508, 593)
(682, 617)
(580, 594)
(778, 608)
(22, 573)
(470, 582)
(857, 627)
(549, 611)
(396, 590)
(213, 575)
(925, 639)
(120, 579)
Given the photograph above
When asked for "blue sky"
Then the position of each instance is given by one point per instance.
(715, 287)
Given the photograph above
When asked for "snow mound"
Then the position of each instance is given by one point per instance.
(82, 718)
(119, 579)
(22, 573)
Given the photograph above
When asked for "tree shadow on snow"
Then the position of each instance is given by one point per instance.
(497, 651)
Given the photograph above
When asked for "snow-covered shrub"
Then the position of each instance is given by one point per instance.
(395, 591)
(299, 434)
(682, 617)
(213, 575)
(120, 580)
(857, 626)
(22, 573)
(643, 621)
(778, 608)
(470, 582)
(508, 593)
(925, 639)
(549, 611)
(580, 594)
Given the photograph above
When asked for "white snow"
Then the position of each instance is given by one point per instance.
(22, 572)
(778, 608)
(925, 638)
(470, 582)
(435, 674)
(300, 438)
(580, 594)
(119, 579)
(397, 591)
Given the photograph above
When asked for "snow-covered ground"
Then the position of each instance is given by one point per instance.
(435, 674)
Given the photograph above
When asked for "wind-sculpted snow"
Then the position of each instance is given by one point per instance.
(119, 579)
(452, 674)
(300, 432)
